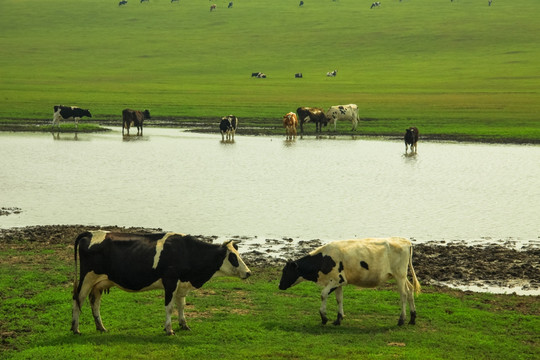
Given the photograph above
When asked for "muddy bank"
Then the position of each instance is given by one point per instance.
(451, 264)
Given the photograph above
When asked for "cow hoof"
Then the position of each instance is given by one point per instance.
(337, 323)
(169, 333)
(185, 327)
(401, 322)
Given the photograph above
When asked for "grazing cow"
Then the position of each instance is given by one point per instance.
(365, 263)
(343, 112)
(311, 114)
(228, 126)
(411, 139)
(298, 75)
(134, 118)
(301, 3)
(375, 4)
(62, 112)
(123, 2)
(230, 5)
(174, 1)
(139, 262)
(255, 74)
(290, 122)
(144, 1)
(213, 7)
(332, 73)
(261, 76)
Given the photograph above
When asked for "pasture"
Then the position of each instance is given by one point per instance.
(461, 67)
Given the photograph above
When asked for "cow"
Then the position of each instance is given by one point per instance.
(227, 127)
(230, 5)
(301, 3)
(213, 7)
(331, 73)
(62, 112)
(361, 262)
(123, 2)
(316, 115)
(290, 122)
(256, 74)
(375, 4)
(134, 118)
(343, 112)
(411, 139)
(298, 75)
(173, 262)
(174, 1)
(261, 76)
(144, 1)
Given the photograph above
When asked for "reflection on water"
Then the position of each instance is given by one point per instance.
(327, 188)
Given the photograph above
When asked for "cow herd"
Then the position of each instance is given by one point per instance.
(178, 263)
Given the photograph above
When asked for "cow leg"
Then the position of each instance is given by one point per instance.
(170, 289)
(339, 298)
(324, 296)
(168, 314)
(403, 292)
(77, 123)
(95, 302)
(78, 300)
(180, 304)
(412, 306)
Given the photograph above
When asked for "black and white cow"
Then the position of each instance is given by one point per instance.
(361, 262)
(256, 74)
(227, 127)
(411, 139)
(298, 75)
(343, 112)
(311, 114)
(134, 118)
(375, 4)
(62, 112)
(332, 73)
(123, 2)
(139, 262)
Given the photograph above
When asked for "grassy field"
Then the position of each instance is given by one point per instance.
(252, 319)
(459, 68)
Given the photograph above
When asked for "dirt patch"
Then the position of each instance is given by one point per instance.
(493, 265)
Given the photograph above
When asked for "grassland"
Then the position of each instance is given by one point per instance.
(252, 319)
(454, 69)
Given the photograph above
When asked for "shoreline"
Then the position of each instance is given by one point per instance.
(481, 268)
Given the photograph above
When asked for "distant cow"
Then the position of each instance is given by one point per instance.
(343, 112)
(230, 5)
(311, 114)
(261, 76)
(290, 123)
(228, 126)
(174, 1)
(411, 139)
(298, 75)
(123, 2)
(144, 1)
(375, 4)
(255, 74)
(331, 73)
(366, 263)
(301, 3)
(173, 262)
(62, 112)
(213, 7)
(134, 118)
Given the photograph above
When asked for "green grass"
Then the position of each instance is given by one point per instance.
(232, 319)
(446, 67)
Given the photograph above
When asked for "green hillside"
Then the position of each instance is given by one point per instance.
(441, 65)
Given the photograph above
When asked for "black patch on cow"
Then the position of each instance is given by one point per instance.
(233, 259)
(364, 265)
(340, 269)
(341, 279)
(332, 290)
(327, 264)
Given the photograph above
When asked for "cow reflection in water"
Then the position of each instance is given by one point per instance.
(65, 136)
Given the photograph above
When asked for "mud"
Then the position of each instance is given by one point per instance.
(454, 264)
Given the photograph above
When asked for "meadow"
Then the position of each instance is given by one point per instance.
(459, 68)
(252, 319)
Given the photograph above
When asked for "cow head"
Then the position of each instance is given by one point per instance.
(86, 113)
(146, 114)
(233, 265)
(290, 275)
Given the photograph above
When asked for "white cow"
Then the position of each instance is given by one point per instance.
(343, 112)
(361, 262)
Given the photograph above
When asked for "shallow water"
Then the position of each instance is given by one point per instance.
(268, 187)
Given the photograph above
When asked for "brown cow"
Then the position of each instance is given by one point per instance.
(316, 115)
(290, 122)
(134, 118)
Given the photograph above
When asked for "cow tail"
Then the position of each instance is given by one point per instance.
(416, 284)
(76, 280)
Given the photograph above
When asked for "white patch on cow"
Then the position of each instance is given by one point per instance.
(159, 249)
(97, 237)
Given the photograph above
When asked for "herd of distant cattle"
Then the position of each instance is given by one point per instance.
(229, 124)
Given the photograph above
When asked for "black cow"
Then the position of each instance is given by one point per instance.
(298, 75)
(134, 118)
(228, 126)
(230, 5)
(144, 1)
(139, 262)
(68, 112)
(123, 2)
(411, 139)
(301, 3)
(316, 115)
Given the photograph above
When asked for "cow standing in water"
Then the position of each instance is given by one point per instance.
(361, 262)
(227, 127)
(311, 114)
(173, 262)
(411, 139)
(62, 112)
(134, 118)
(290, 122)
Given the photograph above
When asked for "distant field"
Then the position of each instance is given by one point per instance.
(459, 67)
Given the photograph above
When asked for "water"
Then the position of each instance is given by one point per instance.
(269, 188)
